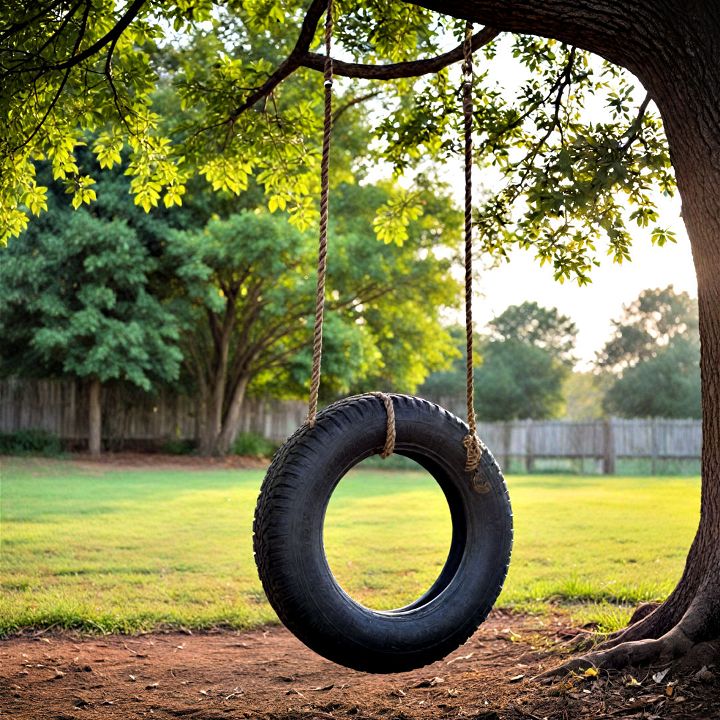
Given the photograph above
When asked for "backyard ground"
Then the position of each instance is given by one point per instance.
(131, 545)
(267, 674)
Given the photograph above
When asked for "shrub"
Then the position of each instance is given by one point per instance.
(175, 446)
(30, 442)
(253, 445)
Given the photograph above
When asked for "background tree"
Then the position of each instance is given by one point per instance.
(666, 385)
(76, 302)
(568, 177)
(653, 358)
(253, 328)
(518, 380)
(524, 361)
(541, 327)
(647, 325)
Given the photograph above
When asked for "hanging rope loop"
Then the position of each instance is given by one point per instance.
(473, 446)
(324, 213)
(389, 447)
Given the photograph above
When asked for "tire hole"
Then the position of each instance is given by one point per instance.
(387, 532)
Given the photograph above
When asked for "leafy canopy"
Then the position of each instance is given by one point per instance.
(648, 324)
(577, 155)
(665, 385)
(77, 300)
(252, 277)
(539, 326)
(525, 359)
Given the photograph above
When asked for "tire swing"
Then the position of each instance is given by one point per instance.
(290, 513)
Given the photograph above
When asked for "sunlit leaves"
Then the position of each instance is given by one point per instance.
(574, 168)
(394, 216)
(230, 174)
(661, 236)
(107, 148)
(82, 191)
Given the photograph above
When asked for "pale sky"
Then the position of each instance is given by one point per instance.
(593, 306)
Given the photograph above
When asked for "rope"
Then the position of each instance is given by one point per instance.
(389, 448)
(322, 255)
(473, 446)
(322, 249)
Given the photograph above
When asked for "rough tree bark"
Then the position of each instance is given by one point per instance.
(673, 47)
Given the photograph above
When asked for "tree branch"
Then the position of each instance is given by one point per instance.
(301, 57)
(395, 71)
(291, 63)
(618, 31)
(352, 103)
(634, 129)
(111, 36)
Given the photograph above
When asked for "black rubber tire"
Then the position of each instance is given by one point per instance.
(288, 536)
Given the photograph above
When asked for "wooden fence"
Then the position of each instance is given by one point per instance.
(60, 407)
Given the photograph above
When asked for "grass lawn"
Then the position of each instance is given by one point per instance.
(124, 550)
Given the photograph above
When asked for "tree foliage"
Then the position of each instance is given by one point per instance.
(535, 325)
(246, 78)
(232, 294)
(518, 381)
(253, 294)
(523, 362)
(654, 357)
(648, 324)
(77, 301)
(665, 385)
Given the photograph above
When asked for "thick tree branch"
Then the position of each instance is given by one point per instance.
(395, 71)
(288, 66)
(618, 31)
(301, 57)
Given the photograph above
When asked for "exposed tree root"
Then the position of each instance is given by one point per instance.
(642, 611)
(693, 641)
(639, 652)
(649, 622)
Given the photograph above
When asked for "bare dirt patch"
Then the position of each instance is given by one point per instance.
(268, 674)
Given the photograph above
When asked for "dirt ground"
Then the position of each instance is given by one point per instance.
(268, 674)
(159, 461)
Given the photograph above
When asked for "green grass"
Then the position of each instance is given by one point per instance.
(113, 550)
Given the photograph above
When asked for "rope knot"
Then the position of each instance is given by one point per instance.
(389, 446)
(474, 449)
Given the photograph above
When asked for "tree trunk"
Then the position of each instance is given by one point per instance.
(211, 424)
(231, 423)
(674, 49)
(95, 417)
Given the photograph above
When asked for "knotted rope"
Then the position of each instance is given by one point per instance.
(473, 446)
(322, 254)
(389, 448)
(322, 248)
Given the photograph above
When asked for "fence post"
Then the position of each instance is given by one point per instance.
(529, 449)
(653, 445)
(608, 447)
